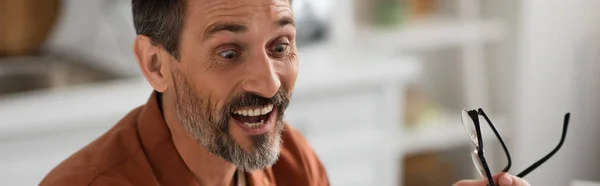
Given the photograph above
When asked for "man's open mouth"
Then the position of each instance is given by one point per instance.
(253, 117)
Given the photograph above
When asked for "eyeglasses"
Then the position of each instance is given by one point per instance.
(470, 120)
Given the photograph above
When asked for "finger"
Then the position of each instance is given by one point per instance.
(510, 180)
(519, 181)
(481, 182)
(506, 180)
(484, 181)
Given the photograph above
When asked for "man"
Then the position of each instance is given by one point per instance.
(223, 72)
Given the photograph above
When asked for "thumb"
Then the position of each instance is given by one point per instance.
(479, 182)
(505, 180)
(471, 182)
(510, 180)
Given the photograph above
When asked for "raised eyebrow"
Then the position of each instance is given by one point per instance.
(286, 20)
(221, 27)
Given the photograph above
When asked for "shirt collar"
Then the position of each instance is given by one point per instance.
(167, 165)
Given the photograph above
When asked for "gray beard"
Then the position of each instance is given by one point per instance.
(211, 131)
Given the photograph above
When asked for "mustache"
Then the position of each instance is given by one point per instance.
(281, 100)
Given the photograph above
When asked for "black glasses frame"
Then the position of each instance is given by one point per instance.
(474, 115)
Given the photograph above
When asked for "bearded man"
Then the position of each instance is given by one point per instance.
(222, 72)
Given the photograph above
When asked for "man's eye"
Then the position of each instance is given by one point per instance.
(229, 54)
(280, 48)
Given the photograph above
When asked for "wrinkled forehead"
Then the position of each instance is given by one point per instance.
(204, 12)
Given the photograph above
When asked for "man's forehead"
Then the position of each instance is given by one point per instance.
(212, 5)
(212, 16)
(207, 11)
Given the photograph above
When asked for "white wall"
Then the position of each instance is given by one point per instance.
(586, 84)
(556, 76)
(100, 31)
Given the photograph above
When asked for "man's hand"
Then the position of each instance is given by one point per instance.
(502, 179)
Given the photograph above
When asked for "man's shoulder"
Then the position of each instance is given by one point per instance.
(294, 140)
(117, 149)
(298, 163)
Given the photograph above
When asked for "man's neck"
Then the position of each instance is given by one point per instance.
(208, 168)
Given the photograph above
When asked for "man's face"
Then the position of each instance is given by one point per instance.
(236, 71)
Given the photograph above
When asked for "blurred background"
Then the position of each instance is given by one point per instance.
(379, 95)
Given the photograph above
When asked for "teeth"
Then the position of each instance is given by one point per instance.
(263, 111)
(257, 124)
(255, 111)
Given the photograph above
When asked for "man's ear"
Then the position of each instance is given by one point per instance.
(152, 64)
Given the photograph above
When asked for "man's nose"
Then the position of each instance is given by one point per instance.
(262, 78)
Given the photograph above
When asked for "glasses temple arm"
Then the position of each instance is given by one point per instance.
(545, 158)
(509, 159)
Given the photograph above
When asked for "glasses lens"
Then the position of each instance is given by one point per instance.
(477, 164)
(470, 127)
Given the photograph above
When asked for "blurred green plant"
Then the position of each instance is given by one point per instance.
(389, 13)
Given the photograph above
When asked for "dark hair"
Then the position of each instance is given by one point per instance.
(161, 20)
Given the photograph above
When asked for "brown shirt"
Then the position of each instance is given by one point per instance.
(139, 150)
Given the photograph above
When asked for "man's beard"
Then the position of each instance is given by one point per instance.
(196, 115)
